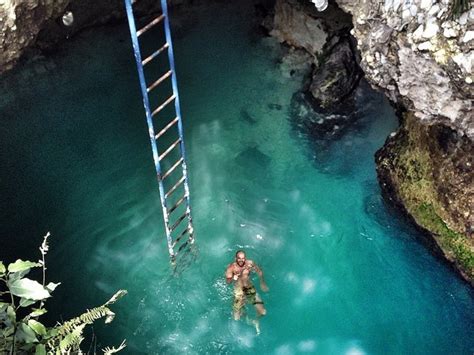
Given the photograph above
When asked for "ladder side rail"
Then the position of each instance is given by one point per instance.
(164, 8)
(151, 130)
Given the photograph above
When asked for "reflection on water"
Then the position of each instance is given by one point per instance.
(345, 275)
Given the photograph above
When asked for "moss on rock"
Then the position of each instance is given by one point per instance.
(426, 170)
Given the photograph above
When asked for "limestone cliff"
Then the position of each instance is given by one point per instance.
(420, 53)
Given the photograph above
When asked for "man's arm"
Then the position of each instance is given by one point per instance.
(229, 274)
(259, 272)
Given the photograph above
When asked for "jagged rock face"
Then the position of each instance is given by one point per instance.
(427, 171)
(299, 24)
(419, 56)
(325, 37)
(20, 23)
(422, 58)
(27, 23)
(337, 76)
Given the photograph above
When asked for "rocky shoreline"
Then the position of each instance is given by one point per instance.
(419, 53)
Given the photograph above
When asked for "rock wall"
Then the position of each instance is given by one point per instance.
(426, 170)
(20, 23)
(325, 37)
(32, 25)
(421, 56)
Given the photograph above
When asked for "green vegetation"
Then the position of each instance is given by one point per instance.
(458, 7)
(22, 303)
(413, 174)
(426, 216)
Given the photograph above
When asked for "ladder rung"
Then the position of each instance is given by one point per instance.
(178, 221)
(172, 169)
(156, 83)
(168, 126)
(163, 105)
(183, 233)
(155, 54)
(150, 25)
(170, 148)
(179, 202)
(174, 187)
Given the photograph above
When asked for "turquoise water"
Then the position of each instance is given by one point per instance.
(345, 275)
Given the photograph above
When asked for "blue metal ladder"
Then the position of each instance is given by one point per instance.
(175, 237)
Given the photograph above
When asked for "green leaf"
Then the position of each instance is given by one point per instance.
(38, 312)
(21, 265)
(27, 288)
(40, 349)
(52, 286)
(3, 306)
(25, 302)
(11, 314)
(2, 269)
(26, 334)
(37, 327)
(52, 332)
(14, 276)
(27, 348)
(8, 331)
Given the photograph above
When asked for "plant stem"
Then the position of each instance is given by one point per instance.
(44, 269)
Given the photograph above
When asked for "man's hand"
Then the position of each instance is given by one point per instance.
(263, 286)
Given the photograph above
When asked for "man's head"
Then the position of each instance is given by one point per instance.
(240, 258)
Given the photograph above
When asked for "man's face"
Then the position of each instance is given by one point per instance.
(240, 259)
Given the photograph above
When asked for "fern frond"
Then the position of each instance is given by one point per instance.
(70, 332)
(73, 340)
(113, 350)
(88, 317)
(118, 295)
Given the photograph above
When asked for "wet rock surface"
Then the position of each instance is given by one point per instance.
(426, 170)
(421, 55)
(336, 78)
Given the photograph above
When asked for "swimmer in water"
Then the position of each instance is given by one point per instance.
(239, 273)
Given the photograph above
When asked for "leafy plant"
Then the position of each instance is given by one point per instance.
(20, 333)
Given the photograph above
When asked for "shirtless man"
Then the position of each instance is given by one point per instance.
(239, 272)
